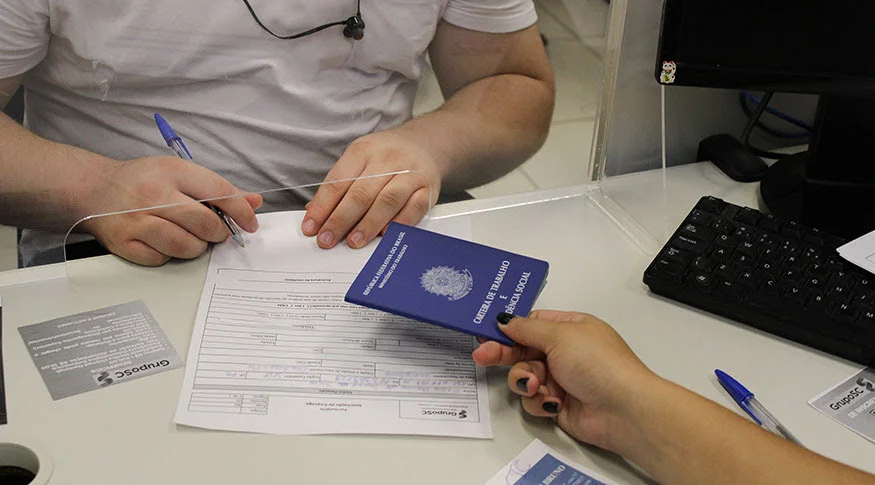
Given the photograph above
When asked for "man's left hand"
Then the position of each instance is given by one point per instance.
(360, 210)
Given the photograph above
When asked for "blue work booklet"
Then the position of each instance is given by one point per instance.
(448, 282)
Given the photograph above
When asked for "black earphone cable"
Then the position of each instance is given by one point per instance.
(302, 34)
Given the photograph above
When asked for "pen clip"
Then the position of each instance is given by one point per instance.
(744, 405)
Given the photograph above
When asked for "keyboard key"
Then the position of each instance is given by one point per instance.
(678, 256)
(773, 256)
(668, 270)
(817, 269)
(743, 261)
(815, 236)
(769, 223)
(770, 287)
(865, 299)
(728, 291)
(791, 275)
(697, 232)
(767, 269)
(866, 323)
(712, 205)
(793, 229)
(699, 282)
(838, 291)
(726, 242)
(721, 255)
(700, 218)
(745, 233)
(748, 248)
(722, 226)
(844, 312)
(703, 263)
(748, 216)
(815, 283)
(787, 285)
(819, 303)
(687, 243)
(747, 279)
(724, 270)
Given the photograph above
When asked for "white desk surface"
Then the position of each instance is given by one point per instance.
(125, 434)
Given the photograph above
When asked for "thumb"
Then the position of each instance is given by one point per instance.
(538, 334)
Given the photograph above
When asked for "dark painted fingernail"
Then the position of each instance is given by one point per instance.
(504, 318)
(551, 407)
(523, 384)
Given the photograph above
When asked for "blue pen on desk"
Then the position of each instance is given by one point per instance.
(175, 142)
(746, 400)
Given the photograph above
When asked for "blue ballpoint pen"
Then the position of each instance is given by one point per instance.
(175, 142)
(746, 401)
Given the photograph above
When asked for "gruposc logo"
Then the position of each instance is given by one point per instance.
(106, 378)
(103, 379)
(461, 414)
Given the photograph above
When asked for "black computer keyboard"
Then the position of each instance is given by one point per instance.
(772, 274)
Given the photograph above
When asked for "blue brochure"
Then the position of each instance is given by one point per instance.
(551, 470)
(448, 282)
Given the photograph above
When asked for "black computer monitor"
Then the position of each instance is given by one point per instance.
(824, 47)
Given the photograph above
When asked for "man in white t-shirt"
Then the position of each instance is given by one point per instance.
(257, 113)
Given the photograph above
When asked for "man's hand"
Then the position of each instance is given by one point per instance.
(152, 237)
(360, 210)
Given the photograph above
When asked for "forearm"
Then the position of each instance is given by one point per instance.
(682, 438)
(45, 184)
(486, 129)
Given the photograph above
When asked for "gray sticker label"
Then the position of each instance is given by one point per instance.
(852, 403)
(100, 348)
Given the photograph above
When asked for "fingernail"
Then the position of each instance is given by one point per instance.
(504, 318)
(326, 238)
(523, 384)
(309, 227)
(357, 238)
(551, 407)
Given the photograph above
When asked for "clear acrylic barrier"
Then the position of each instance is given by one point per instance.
(160, 233)
(628, 166)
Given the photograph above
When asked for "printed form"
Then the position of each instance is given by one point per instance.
(275, 349)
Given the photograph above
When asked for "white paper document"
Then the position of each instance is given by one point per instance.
(860, 251)
(539, 464)
(275, 349)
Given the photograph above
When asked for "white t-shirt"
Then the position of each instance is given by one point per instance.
(262, 112)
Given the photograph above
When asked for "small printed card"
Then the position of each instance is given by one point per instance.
(851, 403)
(538, 464)
(96, 349)
(449, 282)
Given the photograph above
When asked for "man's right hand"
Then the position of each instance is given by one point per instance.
(152, 237)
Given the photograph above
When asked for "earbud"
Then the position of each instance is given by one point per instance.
(355, 27)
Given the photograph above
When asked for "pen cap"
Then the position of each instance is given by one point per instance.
(165, 129)
(738, 392)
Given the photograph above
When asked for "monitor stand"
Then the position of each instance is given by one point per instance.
(832, 186)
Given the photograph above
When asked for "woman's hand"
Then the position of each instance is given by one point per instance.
(572, 367)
